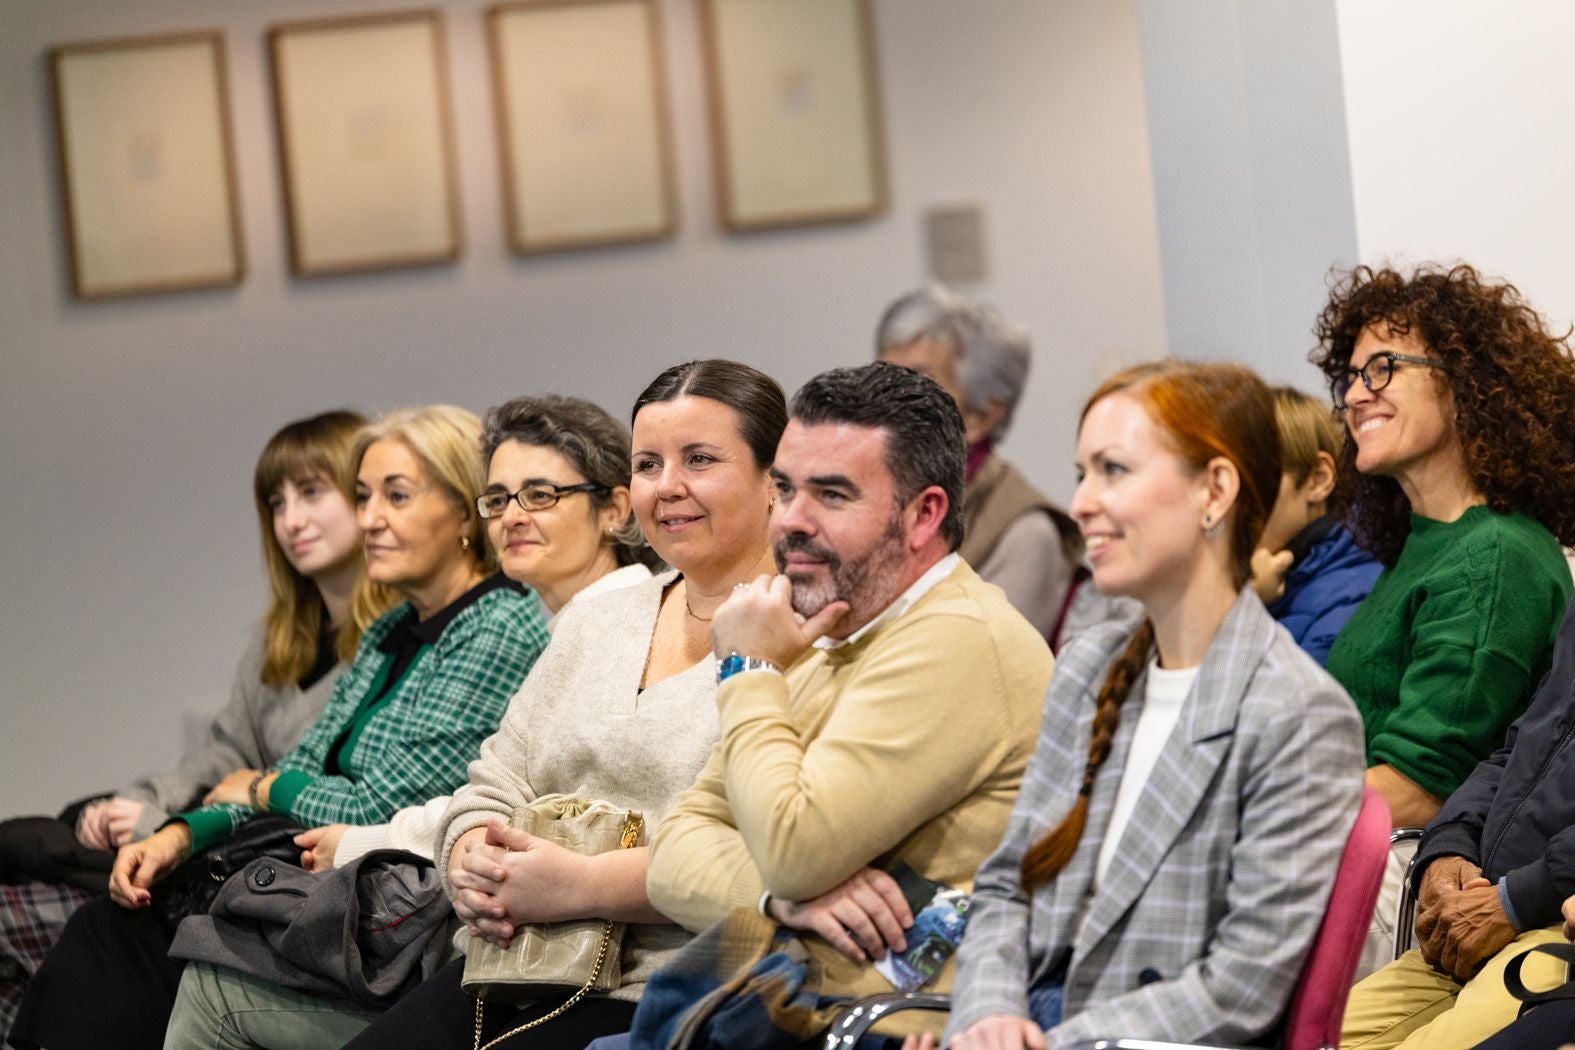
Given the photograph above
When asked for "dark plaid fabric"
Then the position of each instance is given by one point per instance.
(32, 915)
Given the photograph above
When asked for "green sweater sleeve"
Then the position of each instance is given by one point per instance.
(212, 825)
(1478, 647)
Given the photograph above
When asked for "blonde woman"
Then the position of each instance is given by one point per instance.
(430, 681)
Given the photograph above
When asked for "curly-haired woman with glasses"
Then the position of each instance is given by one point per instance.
(1460, 478)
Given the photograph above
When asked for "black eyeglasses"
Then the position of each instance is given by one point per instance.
(1375, 374)
(532, 497)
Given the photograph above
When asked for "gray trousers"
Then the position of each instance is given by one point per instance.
(223, 1009)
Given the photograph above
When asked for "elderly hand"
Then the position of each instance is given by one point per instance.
(233, 789)
(996, 1032)
(1268, 573)
(860, 917)
(318, 846)
(758, 620)
(1443, 877)
(140, 864)
(1442, 880)
(1465, 928)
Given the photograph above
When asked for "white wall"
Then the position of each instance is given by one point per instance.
(1250, 173)
(128, 547)
(1462, 137)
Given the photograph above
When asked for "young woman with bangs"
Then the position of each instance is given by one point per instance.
(302, 486)
(429, 681)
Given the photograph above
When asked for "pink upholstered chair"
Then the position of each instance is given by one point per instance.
(1312, 1021)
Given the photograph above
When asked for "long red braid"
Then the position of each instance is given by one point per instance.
(1207, 411)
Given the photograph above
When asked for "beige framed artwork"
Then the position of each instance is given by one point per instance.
(582, 123)
(795, 111)
(147, 172)
(366, 142)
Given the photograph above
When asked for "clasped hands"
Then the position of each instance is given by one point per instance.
(501, 878)
(758, 620)
(108, 823)
(1460, 922)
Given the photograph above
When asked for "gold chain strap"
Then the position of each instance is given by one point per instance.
(601, 960)
(632, 826)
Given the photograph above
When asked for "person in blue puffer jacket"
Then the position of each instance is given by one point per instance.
(1308, 569)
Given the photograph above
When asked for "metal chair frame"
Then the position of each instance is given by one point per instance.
(1405, 909)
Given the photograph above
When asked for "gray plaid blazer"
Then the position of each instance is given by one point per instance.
(1199, 929)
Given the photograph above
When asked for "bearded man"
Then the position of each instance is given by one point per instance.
(878, 700)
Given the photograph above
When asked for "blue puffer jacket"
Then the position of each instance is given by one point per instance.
(1514, 817)
(1328, 580)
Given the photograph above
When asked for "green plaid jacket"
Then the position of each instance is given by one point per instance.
(426, 732)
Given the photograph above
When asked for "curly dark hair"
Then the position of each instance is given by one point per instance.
(1511, 378)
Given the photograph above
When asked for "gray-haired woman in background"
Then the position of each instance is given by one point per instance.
(1014, 537)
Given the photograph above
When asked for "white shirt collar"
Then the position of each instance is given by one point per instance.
(904, 601)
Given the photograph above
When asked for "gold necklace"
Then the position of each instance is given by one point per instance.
(690, 609)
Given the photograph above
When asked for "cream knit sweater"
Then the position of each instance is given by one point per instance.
(582, 726)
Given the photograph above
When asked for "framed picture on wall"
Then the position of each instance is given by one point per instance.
(146, 168)
(366, 142)
(582, 122)
(795, 111)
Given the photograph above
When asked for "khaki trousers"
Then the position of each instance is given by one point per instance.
(1408, 1004)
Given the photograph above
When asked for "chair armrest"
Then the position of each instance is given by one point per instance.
(854, 1021)
(1405, 908)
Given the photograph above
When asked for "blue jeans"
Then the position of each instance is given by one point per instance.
(1044, 1003)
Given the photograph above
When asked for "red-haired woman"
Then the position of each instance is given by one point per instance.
(1171, 853)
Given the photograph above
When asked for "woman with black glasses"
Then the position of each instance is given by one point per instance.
(1460, 478)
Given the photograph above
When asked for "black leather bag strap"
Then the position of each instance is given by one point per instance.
(1517, 987)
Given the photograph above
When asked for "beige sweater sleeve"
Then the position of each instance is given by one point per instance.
(496, 788)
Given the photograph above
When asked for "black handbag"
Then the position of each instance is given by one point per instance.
(192, 886)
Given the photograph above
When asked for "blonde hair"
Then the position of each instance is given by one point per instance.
(1307, 426)
(322, 446)
(447, 440)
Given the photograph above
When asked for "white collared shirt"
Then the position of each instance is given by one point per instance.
(904, 601)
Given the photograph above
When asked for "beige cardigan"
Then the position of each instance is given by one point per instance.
(580, 725)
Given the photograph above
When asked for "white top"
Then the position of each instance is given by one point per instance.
(1162, 699)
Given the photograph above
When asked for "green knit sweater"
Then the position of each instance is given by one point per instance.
(1446, 650)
